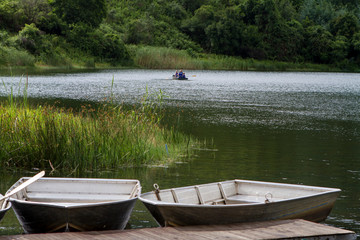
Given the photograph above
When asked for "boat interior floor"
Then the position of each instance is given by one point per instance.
(227, 193)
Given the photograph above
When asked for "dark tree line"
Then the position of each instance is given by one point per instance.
(318, 31)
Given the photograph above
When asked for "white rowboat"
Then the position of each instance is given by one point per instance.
(238, 201)
(74, 204)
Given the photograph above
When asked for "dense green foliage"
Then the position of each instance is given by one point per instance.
(60, 32)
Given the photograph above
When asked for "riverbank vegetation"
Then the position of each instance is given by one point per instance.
(105, 137)
(207, 34)
(167, 58)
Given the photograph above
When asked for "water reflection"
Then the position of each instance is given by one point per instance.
(282, 127)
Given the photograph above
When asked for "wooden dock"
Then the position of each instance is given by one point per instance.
(282, 229)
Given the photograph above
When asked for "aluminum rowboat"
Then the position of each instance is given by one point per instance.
(75, 204)
(238, 201)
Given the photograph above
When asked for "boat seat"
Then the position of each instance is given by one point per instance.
(218, 202)
(186, 196)
(246, 199)
(73, 197)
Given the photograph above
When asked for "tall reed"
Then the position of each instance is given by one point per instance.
(161, 57)
(166, 58)
(103, 138)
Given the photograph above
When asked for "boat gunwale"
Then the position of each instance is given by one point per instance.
(6, 209)
(103, 180)
(69, 204)
(8, 205)
(164, 203)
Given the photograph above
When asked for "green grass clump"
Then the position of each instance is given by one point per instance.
(160, 57)
(89, 139)
(14, 57)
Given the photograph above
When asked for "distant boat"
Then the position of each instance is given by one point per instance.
(5, 205)
(238, 201)
(75, 204)
(179, 78)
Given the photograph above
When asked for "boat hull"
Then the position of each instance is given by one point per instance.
(75, 204)
(34, 217)
(178, 78)
(3, 211)
(313, 208)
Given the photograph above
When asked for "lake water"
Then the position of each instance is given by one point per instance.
(301, 128)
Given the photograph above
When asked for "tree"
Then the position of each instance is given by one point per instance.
(355, 46)
(288, 41)
(297, 4)
(340, 49)
(350, 4)
(320, 12)
(356, 42)
(140, 31)
(33, 10)
(8, 17)
(318, 42)
(281, 38)
(251, 9)
(99, 43)
(252, 43)
(225, 35)
(195, 26)
(89, 12)
(345, 25)
(192, 5)
(286, 9)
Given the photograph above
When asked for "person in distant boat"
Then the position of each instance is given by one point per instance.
(181, 74)
(176, 74)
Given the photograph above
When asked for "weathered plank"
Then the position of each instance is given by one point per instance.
(282, 229)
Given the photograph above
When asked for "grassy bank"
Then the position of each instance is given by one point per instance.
(148, 57)
(104, 138)
(166, 58)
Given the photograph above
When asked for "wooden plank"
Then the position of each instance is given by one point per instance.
(282, 229)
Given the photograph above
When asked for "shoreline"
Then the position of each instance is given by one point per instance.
(147, 57)
(40, 69)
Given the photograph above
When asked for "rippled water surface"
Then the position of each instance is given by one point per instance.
(301, 128)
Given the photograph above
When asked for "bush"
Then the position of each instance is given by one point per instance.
(52, 24)
(14, 57)
(30, 38)
(105, 46)
(149, 31)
